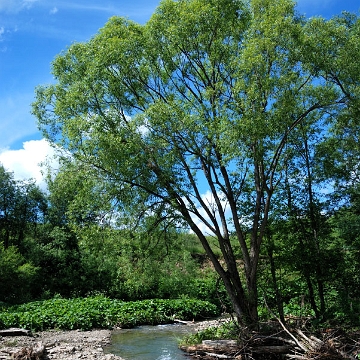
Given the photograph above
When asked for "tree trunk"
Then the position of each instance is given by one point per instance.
(279, 301)
(314, 227)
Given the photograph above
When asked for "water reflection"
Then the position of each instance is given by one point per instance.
(149, 342)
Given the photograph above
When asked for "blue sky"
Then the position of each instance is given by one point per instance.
(33, 32)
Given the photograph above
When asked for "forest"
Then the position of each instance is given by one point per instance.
(209, 154)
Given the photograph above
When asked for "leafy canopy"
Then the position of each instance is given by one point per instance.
(205, 97)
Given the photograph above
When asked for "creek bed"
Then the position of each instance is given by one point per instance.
(149, 342)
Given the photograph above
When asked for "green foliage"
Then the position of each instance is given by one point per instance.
(207, 95)
(22, 206)
(207, 287)
(101, 312)
(55, 252)
(17, 276)
(227, 330)
(245, 99)
(344, 291)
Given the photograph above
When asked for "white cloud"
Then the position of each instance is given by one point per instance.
(209, 200)
(26, 162)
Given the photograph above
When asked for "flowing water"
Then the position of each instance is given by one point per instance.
(149, 342)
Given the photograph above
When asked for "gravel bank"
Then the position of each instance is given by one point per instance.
(74, 344)
(64, 345)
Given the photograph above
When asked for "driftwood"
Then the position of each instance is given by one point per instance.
(213, 346)
(183, 321)
(15, 332)
(293, 344)
(221, 344)
(221, 349)
(218, 356)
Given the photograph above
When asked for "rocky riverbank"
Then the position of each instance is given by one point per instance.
(60, 345)
(70, 345)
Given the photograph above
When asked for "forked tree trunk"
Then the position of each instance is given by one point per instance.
(244, 307)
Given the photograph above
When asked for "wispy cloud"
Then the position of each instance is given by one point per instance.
(128, 9)
(2, 32)
(14, 6)
(54, 11)
(312, 6)
(84, 6)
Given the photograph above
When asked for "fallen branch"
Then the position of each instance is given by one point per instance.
(183, 321)
(15, 332)
(310, 345)
(270, 349)
(297, 357)
(273, 338)
(218, 356)
(298, 343)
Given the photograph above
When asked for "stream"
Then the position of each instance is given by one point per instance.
(149, 342)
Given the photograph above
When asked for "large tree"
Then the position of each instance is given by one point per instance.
(192, 115)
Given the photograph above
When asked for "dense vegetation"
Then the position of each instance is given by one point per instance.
(211, 153)
(58, 255)
(62, 259)
(101, 312)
